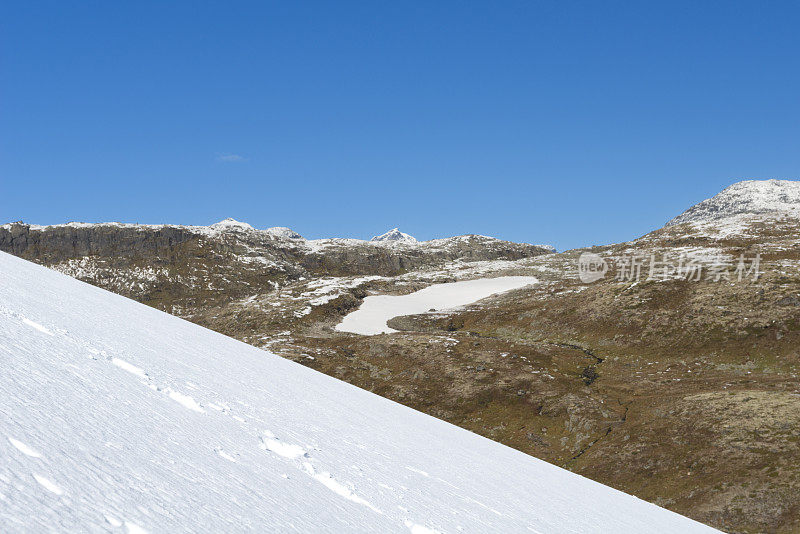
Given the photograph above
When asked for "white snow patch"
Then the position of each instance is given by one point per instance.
(371, 317)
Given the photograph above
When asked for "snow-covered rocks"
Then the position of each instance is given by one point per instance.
(749, 197)
(283, 233)
(231, 225)
(394, 236)
(115, 413)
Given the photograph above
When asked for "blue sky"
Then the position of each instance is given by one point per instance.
(571, 123)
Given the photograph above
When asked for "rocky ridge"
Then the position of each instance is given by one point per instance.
(177, 267)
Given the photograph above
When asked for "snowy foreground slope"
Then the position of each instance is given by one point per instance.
(117, 417)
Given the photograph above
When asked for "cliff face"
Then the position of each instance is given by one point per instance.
(59, 243)
(169, 267)
(159, 244)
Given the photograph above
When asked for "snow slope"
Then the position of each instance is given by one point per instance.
(749, 197)
(116, 417)
(371, 317)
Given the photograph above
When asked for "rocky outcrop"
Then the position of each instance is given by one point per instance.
(348, 257)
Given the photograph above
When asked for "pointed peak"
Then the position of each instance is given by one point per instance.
(394, 236)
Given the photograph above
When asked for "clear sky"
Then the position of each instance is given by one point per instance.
(571, 123)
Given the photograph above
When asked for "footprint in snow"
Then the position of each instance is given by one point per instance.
(24, 449)
(292, 452)
(184, 400)
(328, 480)
(187, 401)
(287, 450)
(133, 528)
(129, 367)
(418, 471)
(419, 529)
(226, 455)
(37, 326)
(48, 485)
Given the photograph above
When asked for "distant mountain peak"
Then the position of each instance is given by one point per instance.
(395, 236)
(748, 197)
(231, 224)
